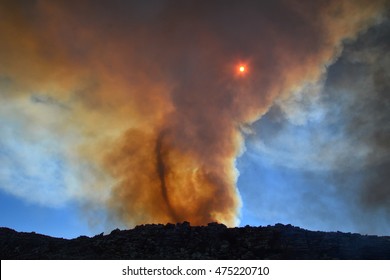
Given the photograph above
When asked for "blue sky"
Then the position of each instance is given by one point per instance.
(64, 221)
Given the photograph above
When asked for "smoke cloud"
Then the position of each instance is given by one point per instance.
(331, 138)
(143, 99)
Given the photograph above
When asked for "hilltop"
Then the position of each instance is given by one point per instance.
(183, 241)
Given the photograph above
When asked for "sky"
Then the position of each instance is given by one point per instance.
(119, 113)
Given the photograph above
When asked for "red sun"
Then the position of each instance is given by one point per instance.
(241, 69)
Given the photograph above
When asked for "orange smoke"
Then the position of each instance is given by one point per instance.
(152, 96)
(173, 186)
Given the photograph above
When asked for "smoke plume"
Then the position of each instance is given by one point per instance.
(145, 96)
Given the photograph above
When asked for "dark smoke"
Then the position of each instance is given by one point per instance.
(332, 139)
(161, 169)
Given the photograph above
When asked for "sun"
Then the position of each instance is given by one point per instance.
(242, 69)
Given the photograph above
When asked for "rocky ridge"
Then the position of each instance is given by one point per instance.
(183, 241)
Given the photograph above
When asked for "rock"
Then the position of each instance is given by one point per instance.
(115, 231)
(183, 241)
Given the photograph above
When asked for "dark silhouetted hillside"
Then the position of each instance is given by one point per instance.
(182, 241)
